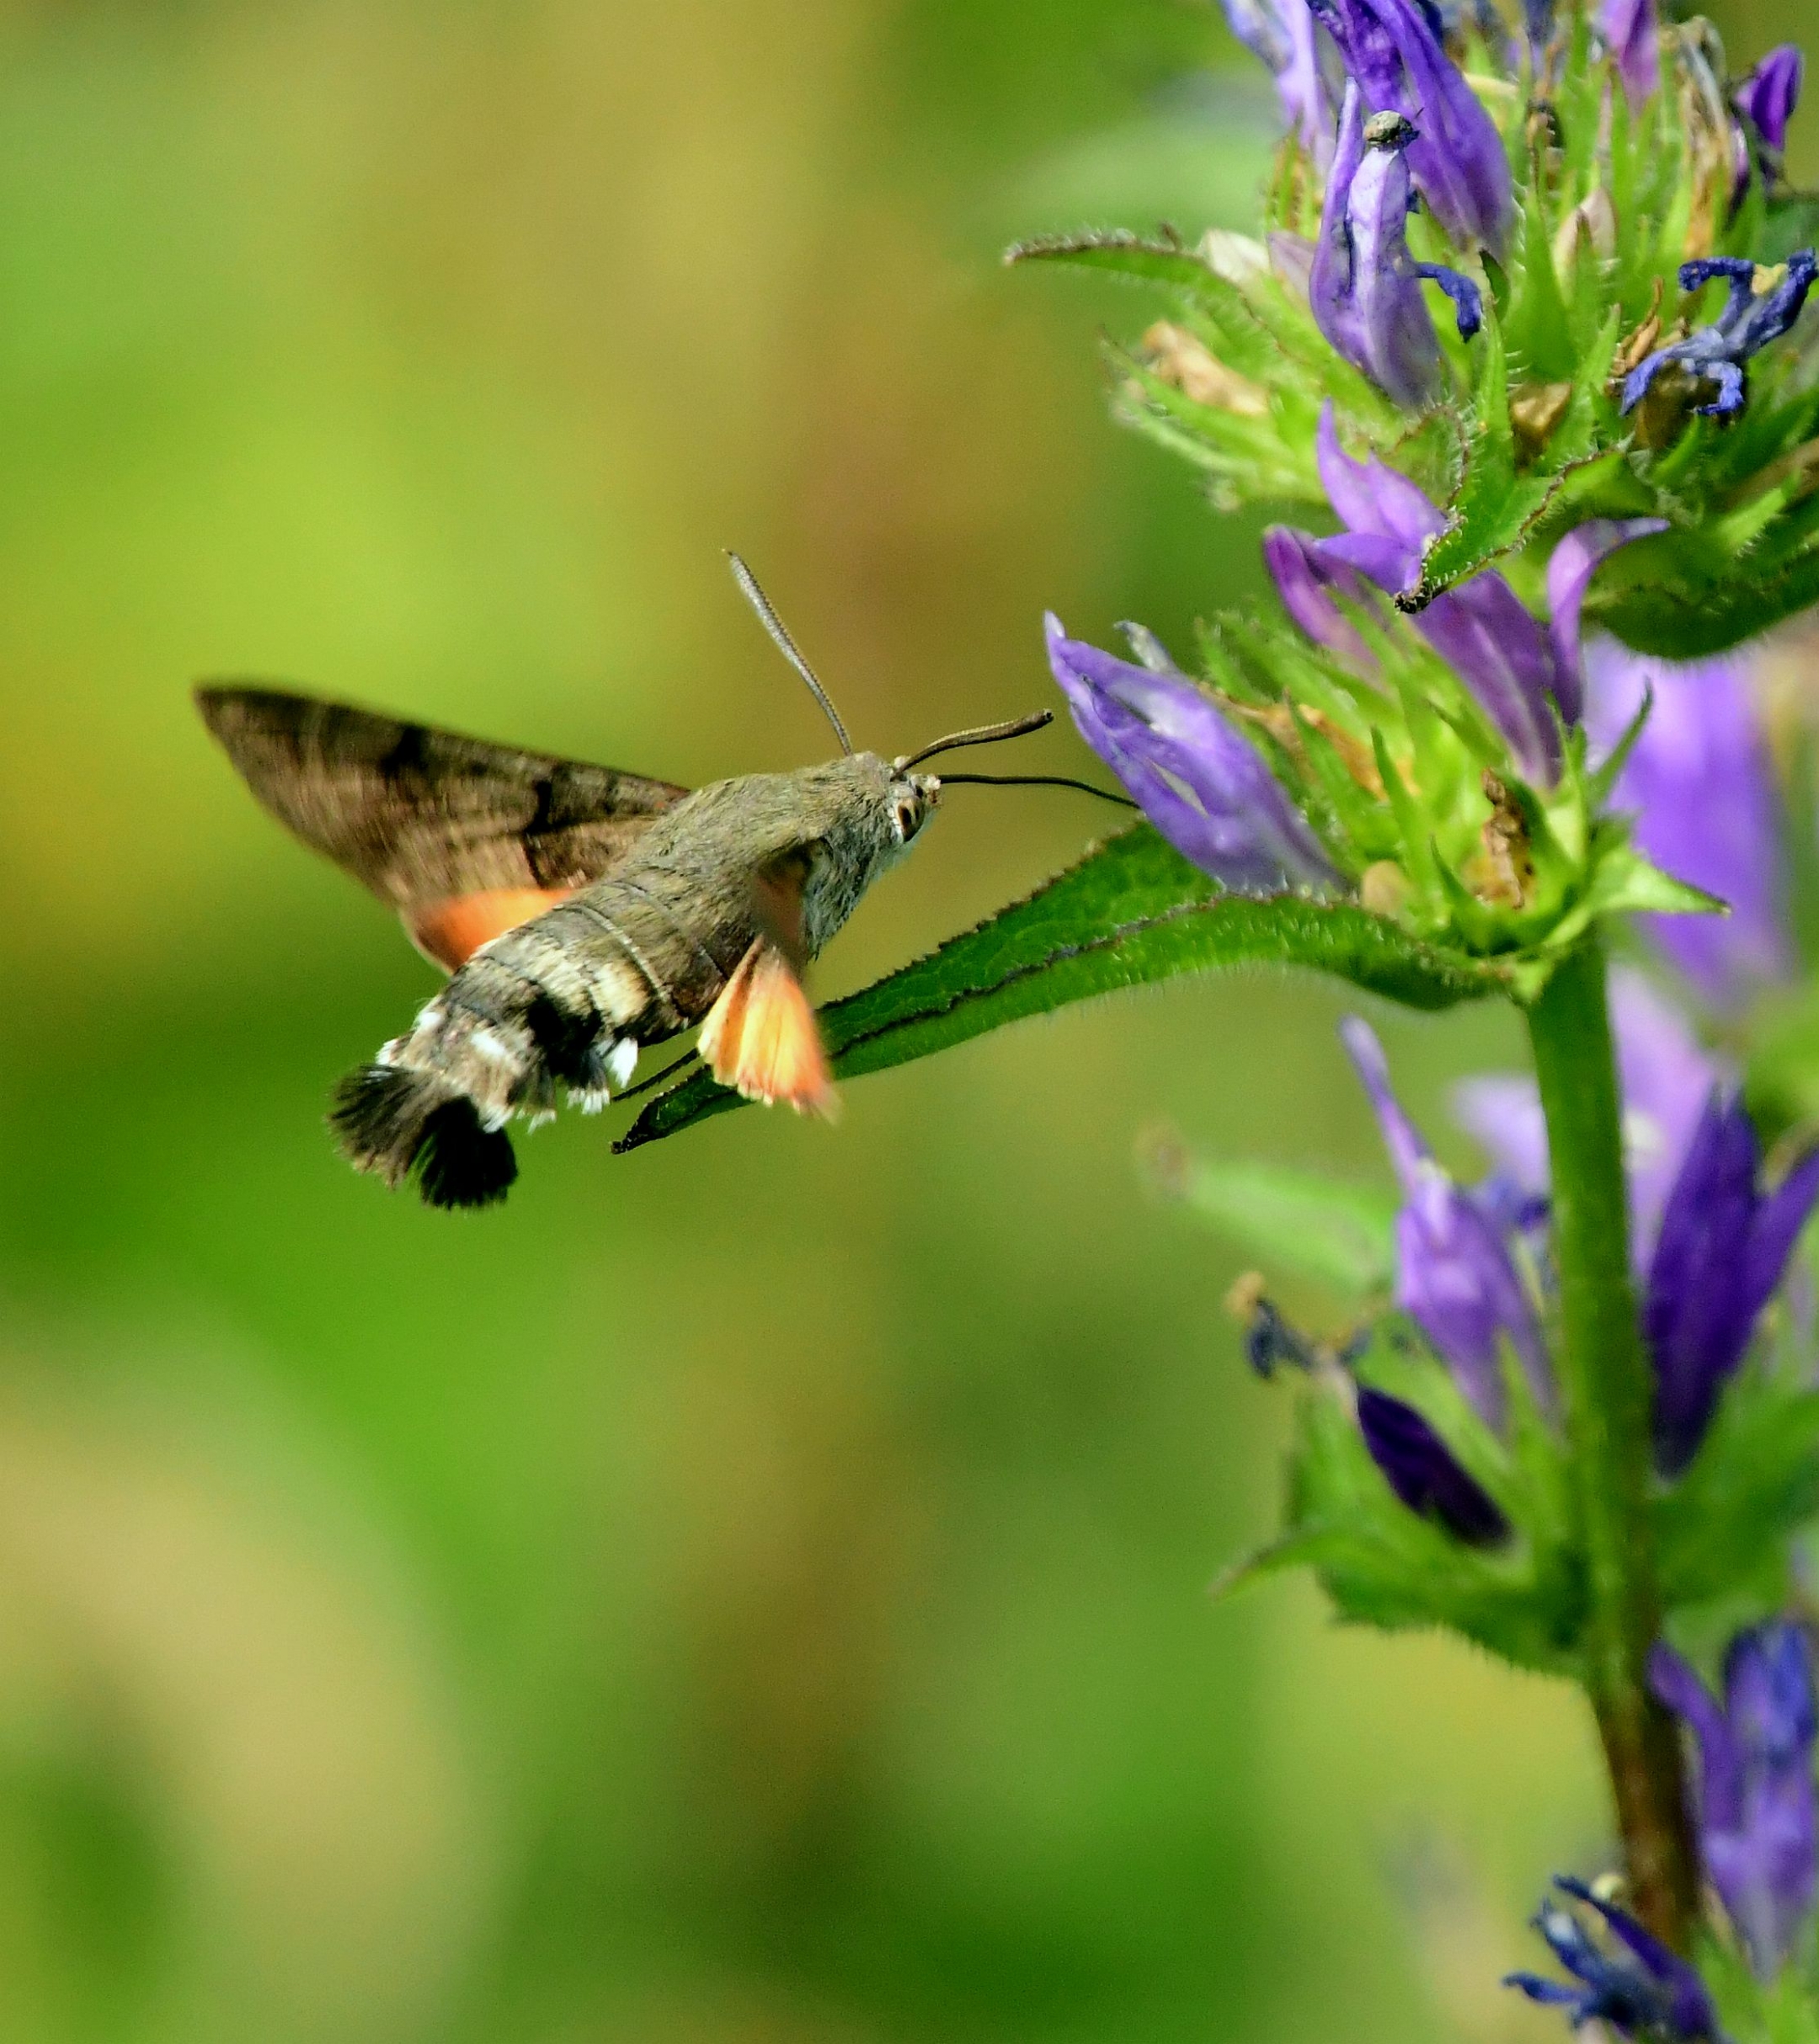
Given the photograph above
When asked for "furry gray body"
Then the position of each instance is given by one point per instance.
(636, 957)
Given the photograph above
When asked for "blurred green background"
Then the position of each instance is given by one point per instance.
(752, 1591)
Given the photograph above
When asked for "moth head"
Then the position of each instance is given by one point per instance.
(912, 798)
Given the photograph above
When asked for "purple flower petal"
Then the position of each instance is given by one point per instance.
(1667, 1077)
(1304, 574)
(1454, 1277)
(1285, 36)
(1632, 35)
(1758, 1825)
(1392, 49)
(1369, 496)
(1644, 1990)
(1365, 295)
(1771, 93)
(1199, 781)
(1575, 561)
(1718, 353)
(1701, 785)
(1720, 1253)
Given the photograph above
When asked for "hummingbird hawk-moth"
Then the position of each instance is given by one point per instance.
(582, 913)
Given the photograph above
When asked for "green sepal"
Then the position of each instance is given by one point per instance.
(1625, 883)
(1131, 913)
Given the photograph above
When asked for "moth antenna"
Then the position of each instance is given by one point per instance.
(1085, 787)
(786, 645)
(981, 734)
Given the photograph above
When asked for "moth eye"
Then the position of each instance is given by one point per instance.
(909, 820)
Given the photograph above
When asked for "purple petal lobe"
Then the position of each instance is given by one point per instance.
(1575, 561)
(1758, 1827)
(1718, 355)
(1455, 1275)
(1305, 577)
(1632, 35)
(1641, 1990)
(1200, 781)
(1702, 790)
(1721, 1254)
(1771, 93)
(1481, 629)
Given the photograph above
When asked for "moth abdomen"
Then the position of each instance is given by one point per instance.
(391, 1121)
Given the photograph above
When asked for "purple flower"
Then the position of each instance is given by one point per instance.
(1723, 1246)
(1769, 96)
(1749, 322)
(1574, 562)
(1285, 36)
(1519, 673)
(1392, 49)
(1365, 288)
(1639, 1987)
(1203, 785)
(1632, 35)
(1422, 1471)
(1701, 786)
(1667, 1078)
(1454, 1276)
(1756, 1815)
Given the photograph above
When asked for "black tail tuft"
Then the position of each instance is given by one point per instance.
(390, 1122)
(461, 1163)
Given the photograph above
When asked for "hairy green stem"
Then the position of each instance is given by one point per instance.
(1607, 1395)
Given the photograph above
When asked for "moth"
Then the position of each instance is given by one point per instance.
(583, 913)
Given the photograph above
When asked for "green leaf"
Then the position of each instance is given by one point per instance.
(1338, 1235)
(1683, 618)
(1125, 254)
(1133, 912)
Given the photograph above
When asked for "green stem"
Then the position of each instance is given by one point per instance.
(1605, 1380)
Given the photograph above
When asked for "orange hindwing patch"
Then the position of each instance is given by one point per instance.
(762, 1038)
(451, 932)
